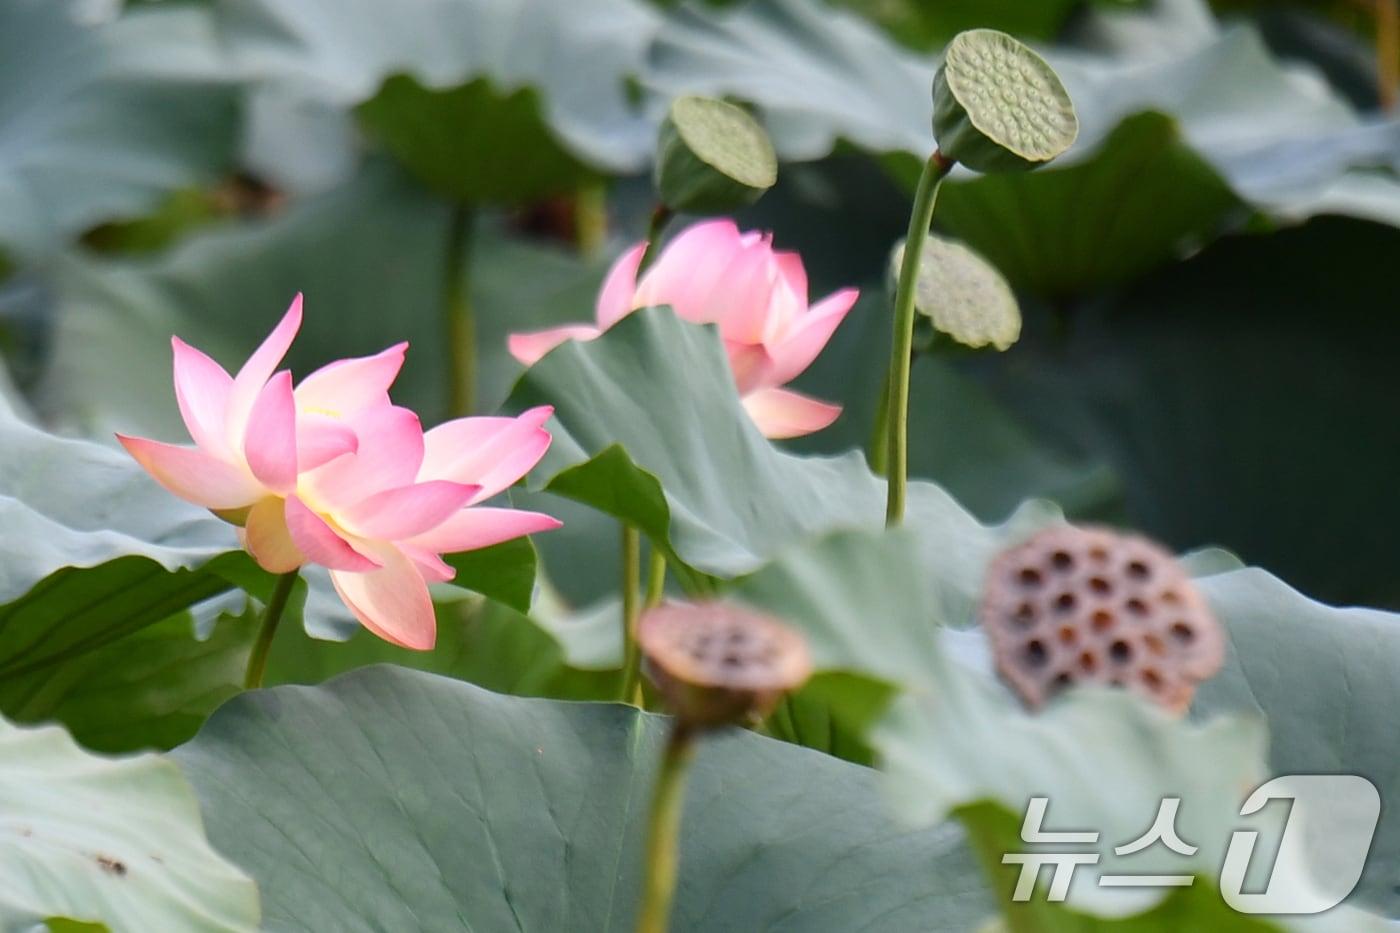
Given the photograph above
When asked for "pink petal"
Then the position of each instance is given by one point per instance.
(392, 602)
(530, 348)
(259, 368)
(202, 390)
(690, 268)
(321, 438)
(320, 542)
(271, 442)
(193, 475)
(267, 538)
(346, 386)
(751, 365)
(742, 301)
(480, 527)
(802, 345)
(615, 298)
(389, 455)
(781, 413)
(488, 452)
(406, 511)
(791, 269)
(433, 568)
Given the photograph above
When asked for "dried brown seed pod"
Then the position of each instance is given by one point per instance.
(719, 663)
(1088, 605)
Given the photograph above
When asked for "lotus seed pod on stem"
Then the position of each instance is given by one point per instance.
(718, 663)
(712, 157)
(998, 106)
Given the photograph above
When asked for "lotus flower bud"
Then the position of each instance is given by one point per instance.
(718, 663)
(1088, 605)
(712, 157)
(998, 106)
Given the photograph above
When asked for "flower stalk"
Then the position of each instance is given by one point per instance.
(660, 216)
(459, 321)
(631, 612)
(716, 665)
(901, 353)
(272, 615)
(662, 853)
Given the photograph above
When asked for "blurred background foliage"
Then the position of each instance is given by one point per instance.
(1207, 281)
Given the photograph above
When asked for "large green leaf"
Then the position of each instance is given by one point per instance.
(93, 549)
(1325, 679)
(111, 841)
(150, 689)
(958, 742)
(101, 117)
(531, 75)
(390, 799)
(648, 427)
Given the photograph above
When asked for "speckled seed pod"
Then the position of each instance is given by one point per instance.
(1089, 605)
(998, 106)
(718, 663)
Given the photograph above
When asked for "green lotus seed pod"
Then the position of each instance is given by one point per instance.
(712, 157)
(963, 294)
(997, 105)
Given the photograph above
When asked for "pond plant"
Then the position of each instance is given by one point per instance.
(310, 671)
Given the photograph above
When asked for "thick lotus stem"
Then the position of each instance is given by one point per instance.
(276, 606)
(901, 353)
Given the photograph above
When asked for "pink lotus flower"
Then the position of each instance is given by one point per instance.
(713, 274)
(331, 472)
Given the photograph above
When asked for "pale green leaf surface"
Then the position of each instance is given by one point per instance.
(390, 799)
(101, 117)
(115, 840)
(577, 56)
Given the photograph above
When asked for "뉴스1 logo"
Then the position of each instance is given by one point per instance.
(1318, 856)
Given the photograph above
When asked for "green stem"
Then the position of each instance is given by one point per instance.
(656, 579)
(880, 436)
(663, 831)
(660, 217)
(656, 589)
(591, 217)
(458, 320)
(631, 611)
(901, 352)
(272, 614)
